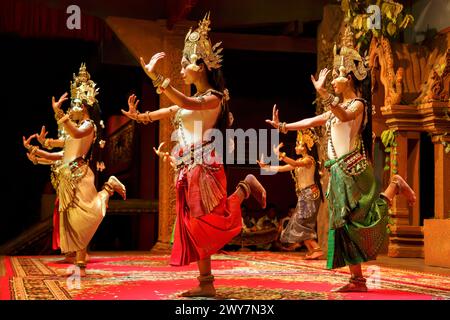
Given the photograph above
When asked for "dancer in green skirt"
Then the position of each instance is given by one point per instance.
(358, 213)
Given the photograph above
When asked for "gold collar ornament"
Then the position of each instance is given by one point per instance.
(197, 45)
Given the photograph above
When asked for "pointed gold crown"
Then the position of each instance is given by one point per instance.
(348, 58)
(82, 88)
(307, 137)
(198, 46)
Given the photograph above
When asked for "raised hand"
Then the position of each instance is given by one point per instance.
(275, 120)
(261, 162)
(319, 84)
(132, 113)
(164, 155)
(159, 152)
(26, 142)
(56, 105)
(41, 136)
(149, 68)
(276, 150)
(32, 158)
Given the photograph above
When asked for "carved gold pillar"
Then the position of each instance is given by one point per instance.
(441, 178)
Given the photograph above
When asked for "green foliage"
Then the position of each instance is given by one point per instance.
(392, 19)
(388, 140)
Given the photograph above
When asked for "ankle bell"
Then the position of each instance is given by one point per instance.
(108, 188)
(245, 187)
(206, 279)
(358, 280)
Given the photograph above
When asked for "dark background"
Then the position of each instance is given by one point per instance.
(39, 67)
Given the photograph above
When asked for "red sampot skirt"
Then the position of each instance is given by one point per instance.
(199, 234)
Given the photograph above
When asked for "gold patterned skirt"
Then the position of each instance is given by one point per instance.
(81, 207)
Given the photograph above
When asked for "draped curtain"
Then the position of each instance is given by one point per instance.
(178, 10)
(34, 19)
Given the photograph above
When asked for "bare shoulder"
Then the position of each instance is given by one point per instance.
(356, 106)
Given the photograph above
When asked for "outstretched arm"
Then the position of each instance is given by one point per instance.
(316, 121)
(48, 155)
(38, 160)
(49, 143)
(302, 162)
(148, 116)
(269, 168)
(177, 97)
(34, 151)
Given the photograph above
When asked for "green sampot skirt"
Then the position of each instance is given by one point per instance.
(358, 217)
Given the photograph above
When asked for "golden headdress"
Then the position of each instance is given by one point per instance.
(198, 46)
(307, 137)
(82, 88)
(348, 58)
(83, 91)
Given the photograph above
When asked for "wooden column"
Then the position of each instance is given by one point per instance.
(327, 35)
(143, 39)
(173, 43)
(441, 178)
(406, 238)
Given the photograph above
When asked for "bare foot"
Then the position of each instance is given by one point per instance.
(292, 247)
(314, 256)
(118, 186)
(257, 190)
(404, 189)
(352, 287)
(204, 290)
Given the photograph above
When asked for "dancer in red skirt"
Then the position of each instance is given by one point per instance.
(206, 218)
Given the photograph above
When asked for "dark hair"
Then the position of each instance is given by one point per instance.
(217, 81)
(363, 90)
(95, 153)
(315, 154)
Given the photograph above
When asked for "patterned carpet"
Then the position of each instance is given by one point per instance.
(254, 275)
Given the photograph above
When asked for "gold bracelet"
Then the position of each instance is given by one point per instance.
(157, 82)
(137, 116)
(33, 150)
(282, 127)
(163, 86)
(330, 100)
(46, 145)
(63, 119)
(282, 156)
(149, 118)
(59, 114)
